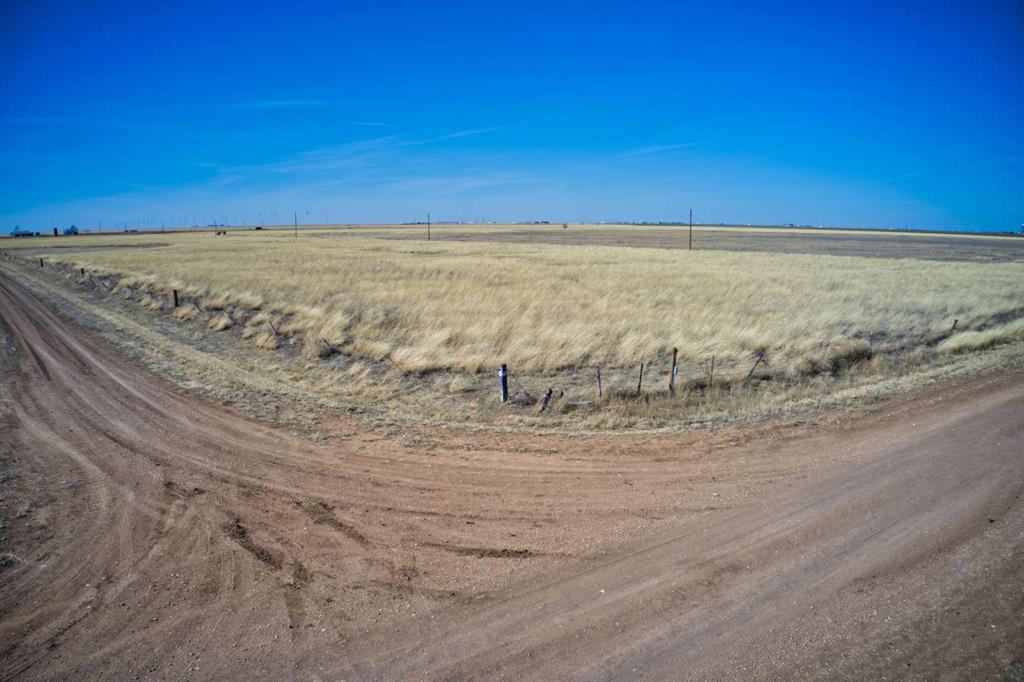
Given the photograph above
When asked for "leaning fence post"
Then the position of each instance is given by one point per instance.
(598, 382)
(503, 382)
(760, 359)
(954, 326)
(640, 381)
(672, 374)
(175, 293)
(546, 400)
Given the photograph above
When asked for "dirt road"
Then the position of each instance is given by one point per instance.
(149, 534)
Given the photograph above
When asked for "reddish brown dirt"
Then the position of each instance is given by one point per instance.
(150, 534)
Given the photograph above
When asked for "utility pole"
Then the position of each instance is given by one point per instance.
(428, 227)
(691, 229)
(296, 224)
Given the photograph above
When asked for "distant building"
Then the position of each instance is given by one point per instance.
(71, 230)
(19, 232)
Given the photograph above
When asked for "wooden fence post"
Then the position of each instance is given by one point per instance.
(175, 292)
(672, 374)
(40, 262)
(640, 381)
(711, 374)
(760, 359)
(503, 382)
(599, 394)
(546, 400)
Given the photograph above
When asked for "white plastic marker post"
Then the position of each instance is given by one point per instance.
(503, 382)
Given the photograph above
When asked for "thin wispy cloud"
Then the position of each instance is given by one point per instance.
(283, 104)
(449, 136)
(319, 160)
(458, 183)
(659, 148)
(467, 133)
(351, 155)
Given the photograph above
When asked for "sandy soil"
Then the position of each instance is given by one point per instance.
(148, 533)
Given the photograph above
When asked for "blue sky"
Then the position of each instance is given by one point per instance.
(871, 114)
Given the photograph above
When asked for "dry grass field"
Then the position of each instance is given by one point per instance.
(559, 303)
(823, 242)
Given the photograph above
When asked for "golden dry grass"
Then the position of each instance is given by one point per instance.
(542, 308)
(184, 313)
(267, 340)
(221, 323)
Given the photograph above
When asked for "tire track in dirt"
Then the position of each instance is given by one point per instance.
(323, 513)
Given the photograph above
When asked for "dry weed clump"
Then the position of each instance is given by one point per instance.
(186, 312)
(148, 301)
(267, 340)
(219, 302)
(221, 323)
